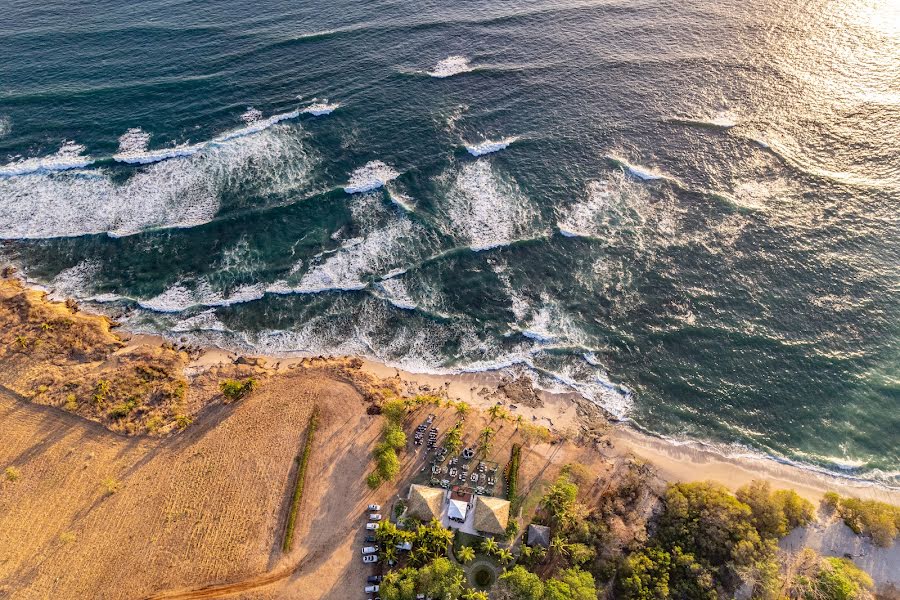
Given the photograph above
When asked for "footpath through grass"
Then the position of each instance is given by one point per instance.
(302, 463)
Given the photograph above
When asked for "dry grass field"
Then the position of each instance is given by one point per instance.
(94, 514)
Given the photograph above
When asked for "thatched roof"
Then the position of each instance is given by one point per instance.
(539, 535)
(491, 514)
(425, 502)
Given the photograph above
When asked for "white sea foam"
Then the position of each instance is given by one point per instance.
(204, 321)
(69, 156)
(133, 149)
(639, 171)
(488, 146)
(183, 296)
(179, 193)
(394, 291)
(452, 65)
(486, 210)
(370, 176)
(722, 120)
(252, 115)
(319, 109)
(5, 126)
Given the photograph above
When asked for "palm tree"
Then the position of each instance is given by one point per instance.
(496, 412)
(389, 553)
(465, 554)
(419, 555)
(504, 556)
(489, 546)
(462, 408)
(527, 551)
(474, 595)
(519, 420)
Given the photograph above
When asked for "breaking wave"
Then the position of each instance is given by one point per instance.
(488, 147)
(179, 193)
(639, 171)
(69, 156)
(370, 176)
(452, 65)
(486, 210)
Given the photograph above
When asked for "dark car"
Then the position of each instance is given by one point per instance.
(373, 579)
(370, 539)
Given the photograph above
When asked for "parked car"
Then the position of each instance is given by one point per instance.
(371, 589)
(375, 517)
(369, 550)
(370, 539)
(370, 558)
(374, 579)
(374, 507)
(371, 526)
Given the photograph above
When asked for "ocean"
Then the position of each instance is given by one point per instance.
(687, 212)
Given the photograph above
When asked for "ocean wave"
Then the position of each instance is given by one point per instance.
(370, 176)
(486, 210)
(179, 193)
(5, 126)
(69, 156)
(639, 171)
(452, 65)
(319, 109)
(722, 121)
(488, 146)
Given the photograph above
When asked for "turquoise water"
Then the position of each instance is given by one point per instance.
(685, 211)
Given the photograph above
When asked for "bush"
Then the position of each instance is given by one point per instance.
(12, 474)
(775, 514)
(302, 464)
(878, 520)
(373, 480)
(234, 390)
(111, 485)
(512, 476)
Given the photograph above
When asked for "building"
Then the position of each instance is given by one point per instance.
(491, 515)
(538, 535)
(425, 503)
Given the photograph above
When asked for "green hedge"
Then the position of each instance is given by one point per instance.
(302, 463)
(512, 479)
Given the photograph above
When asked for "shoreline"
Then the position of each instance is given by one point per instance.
(567, 414)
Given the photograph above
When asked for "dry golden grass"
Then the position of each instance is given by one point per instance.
(59, 357)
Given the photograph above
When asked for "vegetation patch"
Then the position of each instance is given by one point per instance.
(392, 439)
(235, 390)
(878, 520)
(512, 479)
(297, 496)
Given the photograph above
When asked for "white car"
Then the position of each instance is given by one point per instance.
(371, 526)
(371, 589)
(375, 517)
(370, 558)
(369, 550)
(374, 507)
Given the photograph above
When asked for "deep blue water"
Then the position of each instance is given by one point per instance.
(686, 211)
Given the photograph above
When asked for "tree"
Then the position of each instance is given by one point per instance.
(775, 514)
(645, 575)
(571, 584)
(489, 546)
(497, 412)
(504, 556)
(559, 502)
(484, 440)
(399, 585)
(394, 437)
(522, 584)
(462, 409)
(465, 554)
(705, 520)
(474, 595)
(441, 579)
(394, 411)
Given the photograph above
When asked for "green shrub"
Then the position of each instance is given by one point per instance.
(12, 474)
(111, 485)
(512, 478)
(302, 464)
(373, 480)
(878, 520)
(234, 390)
